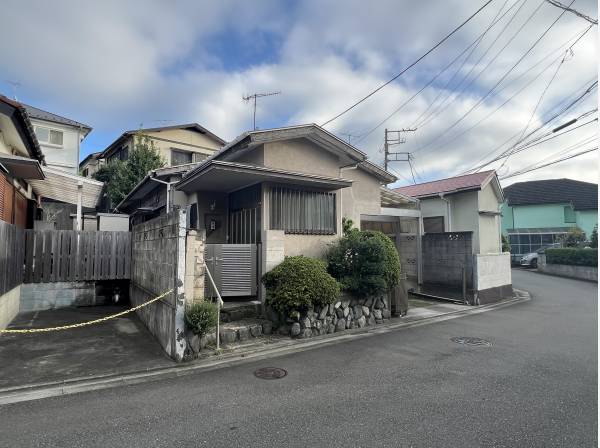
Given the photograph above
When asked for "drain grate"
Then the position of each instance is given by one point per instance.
(270, 373)
(465, 340)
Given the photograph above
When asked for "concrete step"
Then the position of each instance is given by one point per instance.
(244, 329)
(234, 311)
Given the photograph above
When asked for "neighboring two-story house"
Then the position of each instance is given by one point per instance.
(59, 137)
(177, 145)
(91, 164)
(538, 213)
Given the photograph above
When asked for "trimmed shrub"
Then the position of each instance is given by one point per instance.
(201, 317)
(578, 257)
(366, 263)
(299, 283)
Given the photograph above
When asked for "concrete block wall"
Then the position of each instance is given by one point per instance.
(9, 306)
(589, 273)
(49, 296)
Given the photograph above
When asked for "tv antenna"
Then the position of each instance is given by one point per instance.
(253, 97)
(15, 85)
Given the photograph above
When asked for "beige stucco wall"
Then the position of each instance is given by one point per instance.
(488, 200)
(255, 156)
(489, 226)
(363, 198)
(435, 207)
(301, 155)
(465, 215)
(184, 140)
(313, 246)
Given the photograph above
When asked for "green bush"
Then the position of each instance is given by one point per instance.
(201, 317)
(299, 282)
(573, 238)
(578, 257)
(366, 263)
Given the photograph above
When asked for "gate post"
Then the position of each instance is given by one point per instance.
(179, 324)
(194, 266)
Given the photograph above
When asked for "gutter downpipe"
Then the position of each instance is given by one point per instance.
(347, 167)
(448, 211)
(168, 184)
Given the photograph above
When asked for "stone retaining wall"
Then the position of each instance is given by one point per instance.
(345, 314)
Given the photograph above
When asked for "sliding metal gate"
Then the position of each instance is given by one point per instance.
(234, 268)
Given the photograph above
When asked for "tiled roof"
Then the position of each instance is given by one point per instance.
(583, 195)
(40, 114)
(450, 185)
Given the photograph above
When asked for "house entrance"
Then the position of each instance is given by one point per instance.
(235, 269)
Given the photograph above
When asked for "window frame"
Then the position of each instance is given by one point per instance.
(182, 151)
(290, 211)
(50, 130)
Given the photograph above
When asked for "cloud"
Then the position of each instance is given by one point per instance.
(115, 65)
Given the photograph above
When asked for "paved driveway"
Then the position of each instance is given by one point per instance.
(536, 386)
(117, 346)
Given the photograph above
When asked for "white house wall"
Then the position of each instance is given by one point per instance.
(66, 157)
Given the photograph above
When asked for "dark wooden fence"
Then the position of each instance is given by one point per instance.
(12, 249)
(71, 255)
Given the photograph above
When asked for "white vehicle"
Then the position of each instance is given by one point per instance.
(531, 259)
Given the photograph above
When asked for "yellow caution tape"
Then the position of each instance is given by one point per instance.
(91, 322)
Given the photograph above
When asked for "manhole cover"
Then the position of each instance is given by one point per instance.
(471, 341)
(270, 373)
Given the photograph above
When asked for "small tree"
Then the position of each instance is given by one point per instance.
(505, 244)
(574, 238)
(594, 238)
(121, 176)
(366, 263)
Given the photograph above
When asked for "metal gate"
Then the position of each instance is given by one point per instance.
(234, 268)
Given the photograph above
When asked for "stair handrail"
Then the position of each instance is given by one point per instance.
(219, 301)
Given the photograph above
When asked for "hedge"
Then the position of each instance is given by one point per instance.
(298, 283)
(572, 256)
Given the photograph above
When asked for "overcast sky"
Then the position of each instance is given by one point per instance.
(117, 65)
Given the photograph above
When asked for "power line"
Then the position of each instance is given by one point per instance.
(537, 104)
(473, 45)
(547, 121)
(576, 36)
(532, 143)
(502, 78)
(409, 67)
(577, 13)
(518, 173)
(444, 104)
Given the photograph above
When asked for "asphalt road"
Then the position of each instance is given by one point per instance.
(536, 385)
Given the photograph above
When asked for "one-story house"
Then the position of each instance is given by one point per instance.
(469, 203)
(279, 192)
(462, 244)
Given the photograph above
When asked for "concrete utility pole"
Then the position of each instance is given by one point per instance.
(393, 138)
(254, 97)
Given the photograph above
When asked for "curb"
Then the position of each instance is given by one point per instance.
(46, 390)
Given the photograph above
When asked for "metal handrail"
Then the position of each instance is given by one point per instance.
(219, 301)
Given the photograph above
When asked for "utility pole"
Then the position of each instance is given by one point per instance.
(254, 97)
(393, 138)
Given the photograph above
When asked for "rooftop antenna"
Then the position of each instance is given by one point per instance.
(253, 97)
(15, 85)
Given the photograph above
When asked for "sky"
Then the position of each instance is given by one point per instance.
(118, 66)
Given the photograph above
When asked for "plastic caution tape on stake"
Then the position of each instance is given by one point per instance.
(88, 323)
